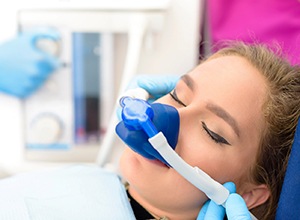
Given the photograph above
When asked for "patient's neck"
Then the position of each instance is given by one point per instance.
(160, 212)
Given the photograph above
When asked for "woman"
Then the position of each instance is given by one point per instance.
(238, 113)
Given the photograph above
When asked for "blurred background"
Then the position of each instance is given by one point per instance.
(103, 45)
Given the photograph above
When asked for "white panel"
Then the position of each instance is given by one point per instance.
(175, 49)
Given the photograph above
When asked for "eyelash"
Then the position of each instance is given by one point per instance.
(176, 99)
(215, 137)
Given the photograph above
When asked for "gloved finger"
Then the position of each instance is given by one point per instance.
(32, 80)
(19, 93)
(36, 85)
(52, 61)
(230, 186)
(47, 65)
(43, 33)
(158, 86)
(236, 208)
(28, 87)
(203, 211)
(44, 40)
(214, 211)
(26, 94)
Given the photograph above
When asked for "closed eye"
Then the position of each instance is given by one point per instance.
(175, 97)
(214, 136)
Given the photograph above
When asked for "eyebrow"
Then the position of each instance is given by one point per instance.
(188, 81)
(220, 112)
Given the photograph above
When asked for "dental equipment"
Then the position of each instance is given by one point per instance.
(138, 114)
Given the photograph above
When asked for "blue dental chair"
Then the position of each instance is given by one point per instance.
(289, 205)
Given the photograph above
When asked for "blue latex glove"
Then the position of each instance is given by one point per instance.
(236, 208)
(23, 66)
(157, 86)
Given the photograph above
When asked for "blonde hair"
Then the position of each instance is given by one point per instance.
(281, 112)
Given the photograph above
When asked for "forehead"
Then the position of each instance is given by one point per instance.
(229, 73)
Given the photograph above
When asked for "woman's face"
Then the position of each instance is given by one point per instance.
(221, 119)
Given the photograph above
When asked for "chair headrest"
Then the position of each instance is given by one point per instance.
(289, 204)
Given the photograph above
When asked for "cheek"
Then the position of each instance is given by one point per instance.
(221, 163)
(217, 165)
(128, 164)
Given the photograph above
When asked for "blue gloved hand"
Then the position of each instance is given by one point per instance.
(236, 208)
(23, 66)
(157, 86)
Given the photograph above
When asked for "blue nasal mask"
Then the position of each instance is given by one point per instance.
(142, 120)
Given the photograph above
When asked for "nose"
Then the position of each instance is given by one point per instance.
(187, 119)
